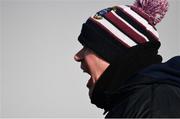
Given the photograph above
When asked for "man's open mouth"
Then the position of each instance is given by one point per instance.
(84, 69)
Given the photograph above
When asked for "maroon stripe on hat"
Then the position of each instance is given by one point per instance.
(110, 33)
(125, 28)
(148, 33)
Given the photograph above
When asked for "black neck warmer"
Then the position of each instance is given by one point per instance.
(122, 69)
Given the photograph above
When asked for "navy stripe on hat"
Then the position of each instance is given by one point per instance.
(125, 27)
(135, 23)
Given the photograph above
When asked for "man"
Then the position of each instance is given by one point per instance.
(120, 54)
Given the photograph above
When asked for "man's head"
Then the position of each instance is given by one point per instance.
(92, 64)
(115, 32)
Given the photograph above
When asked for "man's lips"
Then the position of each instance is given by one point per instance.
(90, 81)
(84, 69)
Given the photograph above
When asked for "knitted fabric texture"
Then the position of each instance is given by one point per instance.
(111, 32)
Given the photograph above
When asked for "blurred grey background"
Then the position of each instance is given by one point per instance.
(38, 76)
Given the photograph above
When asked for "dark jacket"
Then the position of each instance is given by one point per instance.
(150, 92)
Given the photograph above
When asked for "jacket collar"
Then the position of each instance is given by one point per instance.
(107, 91)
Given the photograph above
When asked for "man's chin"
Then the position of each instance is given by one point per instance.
(90, 86)
(90, 83)
(90, 92)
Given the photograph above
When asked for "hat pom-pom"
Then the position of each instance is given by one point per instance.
(154, 8)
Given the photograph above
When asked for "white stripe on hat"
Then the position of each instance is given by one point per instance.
(139, 18)
(111, 28)
(119, 17)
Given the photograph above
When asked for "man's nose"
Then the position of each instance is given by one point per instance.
(78, 56)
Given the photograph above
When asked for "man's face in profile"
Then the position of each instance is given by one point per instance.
(91, 64)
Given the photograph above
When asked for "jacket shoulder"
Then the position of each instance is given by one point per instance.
(149, 100)
(165, 101)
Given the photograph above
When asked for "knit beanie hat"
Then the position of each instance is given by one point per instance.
(113, 31)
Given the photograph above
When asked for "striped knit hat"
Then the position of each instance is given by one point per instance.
(113, 31)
